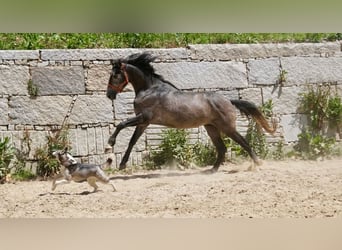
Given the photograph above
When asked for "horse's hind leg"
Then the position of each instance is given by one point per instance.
(221, 149)
(244, 144)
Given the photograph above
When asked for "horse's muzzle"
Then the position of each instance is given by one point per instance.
(111, 95)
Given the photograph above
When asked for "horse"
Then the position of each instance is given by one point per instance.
(158, 101)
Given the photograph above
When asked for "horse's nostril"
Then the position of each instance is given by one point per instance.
(111, 95)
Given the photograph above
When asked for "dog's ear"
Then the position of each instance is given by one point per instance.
(65, 150)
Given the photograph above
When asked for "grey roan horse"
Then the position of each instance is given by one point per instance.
(158, 101)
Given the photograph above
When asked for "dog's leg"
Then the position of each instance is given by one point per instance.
(54, 185)
(101, 176)
(67, 179)
(114, 189)
(92, 182)
(59, 182)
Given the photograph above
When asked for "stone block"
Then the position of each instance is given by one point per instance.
(174, 54)
(109, 54)
(38, 140)
(303, 70)
(43, 110)
(191, 75)
(85, 54)
(92, 109)
(4, 111)
(72, 136)
(100, 139)
(252, 94)
(13, 80)
(123, 105)
(285, 100)
(88, 141)
(82, 141)
(59, 80)
(246, 51)
(98, 77)
(19, 54)
(264, 72)
(91, 136)
(292, 126)
(229, 94)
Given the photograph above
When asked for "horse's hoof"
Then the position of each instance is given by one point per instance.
(122, 167)
(253, 167)
(258, 163)
(111, 141)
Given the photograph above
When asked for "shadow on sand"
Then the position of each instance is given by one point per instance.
(173, 174)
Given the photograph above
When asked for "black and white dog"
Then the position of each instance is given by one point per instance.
(71, 170)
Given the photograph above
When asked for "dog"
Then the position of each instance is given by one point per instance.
(71, 170)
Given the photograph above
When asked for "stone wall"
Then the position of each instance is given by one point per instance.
(72, 83)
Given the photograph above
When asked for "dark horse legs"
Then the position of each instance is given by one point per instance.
(213, 132)
(137, 133)
(137, 121)
(244, 144)
(221, 149)
(127, 123)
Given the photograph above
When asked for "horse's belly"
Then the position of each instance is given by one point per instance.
(181, 120)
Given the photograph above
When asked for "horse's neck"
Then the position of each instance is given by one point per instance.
(164, 83)
(139, 84)
(144, 84)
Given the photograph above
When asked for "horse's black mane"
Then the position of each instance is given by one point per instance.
(143, 62)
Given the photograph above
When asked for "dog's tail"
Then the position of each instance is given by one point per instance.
(107, 164)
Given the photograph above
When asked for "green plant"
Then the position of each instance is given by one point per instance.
(255, 136)
(278, 153)
(173, 146)
(33, 41)
(47, 164)
(23, 175)
(32, 88)
(21, 157)
(236, 149)
(334, 111)
(282, 78)
(322, 108)
(203, 154)
(312, 146)
(7, 153)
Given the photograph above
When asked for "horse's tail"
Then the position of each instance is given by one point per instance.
(249, 108)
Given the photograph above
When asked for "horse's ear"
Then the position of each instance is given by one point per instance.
(114, 62)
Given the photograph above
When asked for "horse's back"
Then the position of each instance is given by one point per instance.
(183, 109)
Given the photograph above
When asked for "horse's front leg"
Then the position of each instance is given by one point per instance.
(139, 130)
(134, 121)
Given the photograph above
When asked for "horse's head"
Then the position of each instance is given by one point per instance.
(118, 79)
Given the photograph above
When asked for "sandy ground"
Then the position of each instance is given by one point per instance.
(285, 189)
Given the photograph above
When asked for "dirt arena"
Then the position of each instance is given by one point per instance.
(284, 189)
